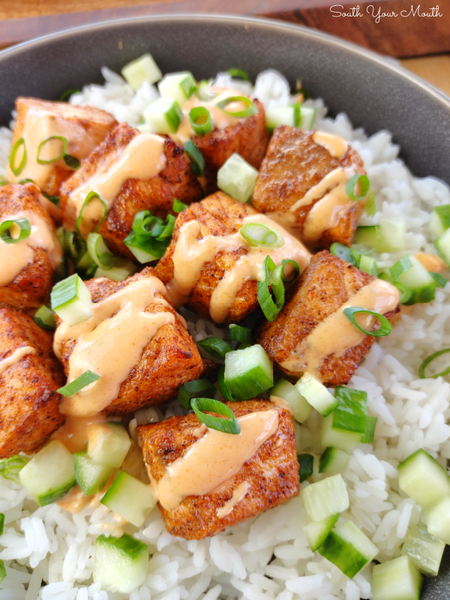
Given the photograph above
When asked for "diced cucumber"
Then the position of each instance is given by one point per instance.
(317, 533)
(108, 444)
(50, 474)
(237, 178)
(443, 247)
(333, 460)
(367, 235)
(348, 548)
(179, 86)
(438, 519)
(423, 479)
(396, 579)
(71, 300)
(423, 550)
(248, 372)
(369, 434)
(283, 115)
(325, 498)
(130, 498)
(417, 279)
(392, 235)
(307, 117)
(300, 408)
(91, 477)
(346, 425)
(306, 462)
(164, 115)
(140, 70)
(439, 221)
(122, 269)
(316, 394)
(120, 564)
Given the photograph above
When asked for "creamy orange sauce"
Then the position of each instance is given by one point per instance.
(219, 118)
(335, 145)
(74, 501)
(336, 334)
(15, 357)
(191, 255)
(142, 159)
(215, 458)
(40, 125)
(74, 434)
(111, 343)
(15, 257)
(431, 262)
(238, 494)
(326, 213)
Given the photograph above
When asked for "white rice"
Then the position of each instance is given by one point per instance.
(267, 558)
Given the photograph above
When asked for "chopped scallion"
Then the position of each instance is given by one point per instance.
(178, 206)
(99, 252)
(11, 467)
(257, 234)
(12, 159)
(195, 389)
(306, 462)
(274, 277)
(195, 157)
(22, 181)
(345, 253)
(239, 73)
(200, 120)
(430, 359)
(439, 279)
(92, 196)
(203, 91)
(215, 346)
(241, 334)
(385, 326)
(239, 114)
(71, 300)
(66, 95)
(63, 152)
(228, 425)
(78, 384)
(371, 205)
(53, 199)
(223, 389)
(368, 265)
(2, 522)
(71, 161)
(45, 318)
(362, 181)
(15, 230)
(150, 236)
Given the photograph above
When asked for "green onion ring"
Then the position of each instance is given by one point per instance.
(66, 95)
(62, 139)
(282, 267)
(195, 157)
(11, 467)
(223, 389)
(257, 234)
(345, 253)
(89, 197)
(5, 230)
(195, 389)
(78, 384)
(405, 293)
(215, 346)
(239, 73)
(385, 326)
(239, 114)
(440, 281)
(53, 199)
(200, 120)
(241, 334)
(24, 181)
(12, 158)
(229, 425)
(371, 205)
(178, 206)
(364, 183)
(71, 161)
(430, 359)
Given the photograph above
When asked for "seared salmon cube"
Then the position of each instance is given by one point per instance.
(301, 170)
(268, 478)
(295, 342)
(30, 376)
(132, 172)
(27, 266)
(83, 128)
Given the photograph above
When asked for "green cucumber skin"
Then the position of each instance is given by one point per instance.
(333, 460)
(54, 495)
(389, 579)
(317, 533)
(346, 558)
(411, 474)
(126, 543)
(2, 522)
(120, 564)
(2, 571)
(90, 476)
(423, 550)
(306, 462)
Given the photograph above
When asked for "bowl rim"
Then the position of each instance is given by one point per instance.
(387, 63)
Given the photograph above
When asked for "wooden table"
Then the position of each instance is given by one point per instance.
(420, 41)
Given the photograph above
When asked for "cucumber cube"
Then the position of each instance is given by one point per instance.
(71, 300)
(438, 519)
(283, 115)
(300, 408)
(392, 234)
(417, 280)
(369, 434)
(439, 221)
(367, 235)
(120, 564)
(316, 394)
(423, 550)
(348, 548)
(130, 498)
(50, 474)
(333, 460)
(140, 70)
(325, 498)
(306, 462)
(346, 426)
(179, 86)
(91, 477)
(248, 372)
(164, 115)
(396, 579)
(237, 178)
(307, 117)
(317, 533)
(423, 479)
(443, 247)
(108, 444)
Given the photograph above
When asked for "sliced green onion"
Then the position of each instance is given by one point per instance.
(229, 425)
(2, 571)
(150, 236)
(4, 181)
(195, 389)
(239, 73)
(62, 139)
(22, 181)
(71, 244)
(45, 318)
(200, 120)
(306, 462)
(440, 280)
(66, 95)
(71, 300)
(274, 277)
(53, 199)
(257, 234)
(223, 389)
(163, 231)
(99, 251)
(196, 158)
(78, 384)
(239, 114)
(371, 205)
(203, 91)
(364, 185)
(2, 522)
(368, 265)
(122, 269)
(385, 326)
(405, 293)
(24, 226)
(92, 196)
(241, 334)
(12, 159)
(430, 359)
(345, 253)
(215, 346)
(400, 267)
(71, 161)
(11, 467)
(178, 206)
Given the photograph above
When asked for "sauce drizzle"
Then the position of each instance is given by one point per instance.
(15, 357)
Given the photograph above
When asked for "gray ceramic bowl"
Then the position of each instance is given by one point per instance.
(375, 93)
